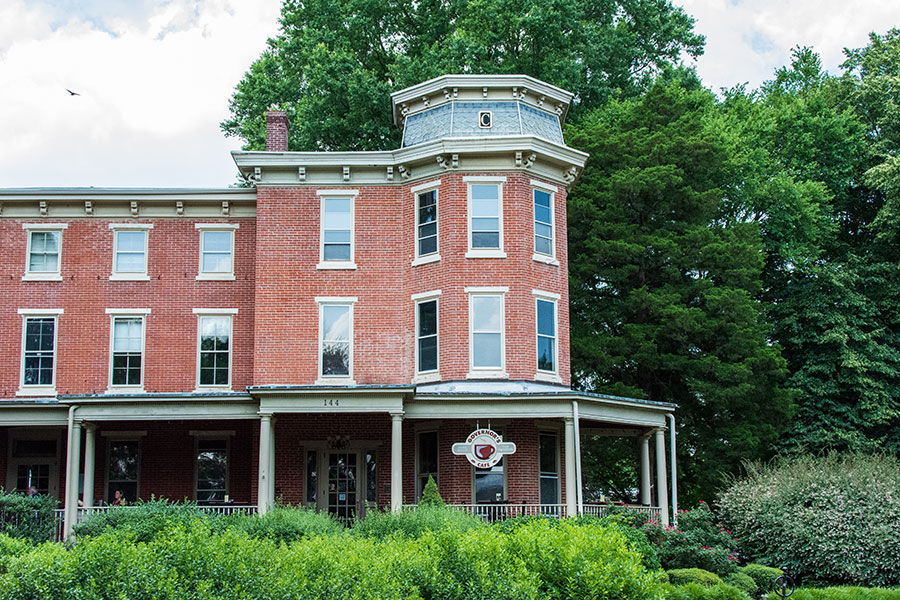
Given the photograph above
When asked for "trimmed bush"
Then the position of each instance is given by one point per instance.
(763, 576)
(742, 582)
(27, 517)
(699, 576)
(414, 523)
(696, 591)
(831, 519)
(847, 593)
(144, 519)
(11, 547)
(281, 524)
(430, 494)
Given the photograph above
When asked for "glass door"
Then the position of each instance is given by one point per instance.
(343, 478)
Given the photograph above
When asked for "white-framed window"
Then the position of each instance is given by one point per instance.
(427, 246)
(427, 363)
(548, 469)
(485, 216)
(126, 349)
(335, 340)
(43, 251)
(39, 343)
(336, 229)
(123, 469)
(211, 469)
(214, 345)
(216, 251)
(546, 328)
(426, 459)
(544, 222)
(130, 251)
(487, 333)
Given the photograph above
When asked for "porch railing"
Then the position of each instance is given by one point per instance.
(498, 512)
(651, 513)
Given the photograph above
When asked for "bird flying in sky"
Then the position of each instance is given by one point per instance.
(72, 93)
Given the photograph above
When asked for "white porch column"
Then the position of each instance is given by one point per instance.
(662, 495)
(396, 461)
(645, 469)
(73, 464)
(271, 492)
(90, 432)
(265, 463)
(571, 475)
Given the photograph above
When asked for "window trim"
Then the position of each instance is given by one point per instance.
(131, 275)
(556, 434)
(540, 374)
(31, 228)
(347, 379)
(482, 180)
(215, 312)
(417, 190)
(433, 374)
(38, 313)
(127, 313)
(225, 436)
(349, 265)
(487, 372)
(216, 275)
(549, 259)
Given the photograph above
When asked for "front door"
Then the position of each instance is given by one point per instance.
(343, 485)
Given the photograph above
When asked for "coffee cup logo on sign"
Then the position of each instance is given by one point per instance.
(484, 448)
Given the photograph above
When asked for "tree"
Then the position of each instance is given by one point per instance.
(333, 66)
(663, 292)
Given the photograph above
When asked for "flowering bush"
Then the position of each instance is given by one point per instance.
(829, 519)
(699, 541)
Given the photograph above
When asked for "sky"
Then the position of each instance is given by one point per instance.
(153, 77)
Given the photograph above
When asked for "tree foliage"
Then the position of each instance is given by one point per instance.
(333, 66)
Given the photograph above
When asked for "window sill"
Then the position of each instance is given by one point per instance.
(215, 277)
(336, 266)
(334, 381)
(548, 377)
(487, 374)
(485, 254)
(424, 260)
(543, 258)
(212, 389)
(427, 377)
(37, 391)
(129, 277)
(124, 391)
(42, 277)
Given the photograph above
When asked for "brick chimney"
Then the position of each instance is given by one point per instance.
(276, 131)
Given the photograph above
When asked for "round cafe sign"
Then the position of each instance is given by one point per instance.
(484, 448)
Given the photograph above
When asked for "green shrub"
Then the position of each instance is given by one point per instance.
(699, 541)
(696, 591)
(700, 576)
(413, 523)
(763, 576)
(281, 524)
(430, 494)
(144, 520)
(742, 582)
(830, 519)
(11, 547)
(27, 517)
(846, 593)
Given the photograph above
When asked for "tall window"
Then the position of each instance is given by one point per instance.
(216, 251)
(549, 468)
(335, 337)
(43, 254)
(122, 475)
(426, 224)
(486, 331)
(212, 470)
(127, 351)
(214, 347)
(427, 463)
(336, 234)
(130, 250)
(546, 335)
(484, 216)
(427, 335)
(39, 352)
(490, 484)
(543, 222)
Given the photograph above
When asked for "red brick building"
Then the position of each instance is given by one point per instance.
(324, 337)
